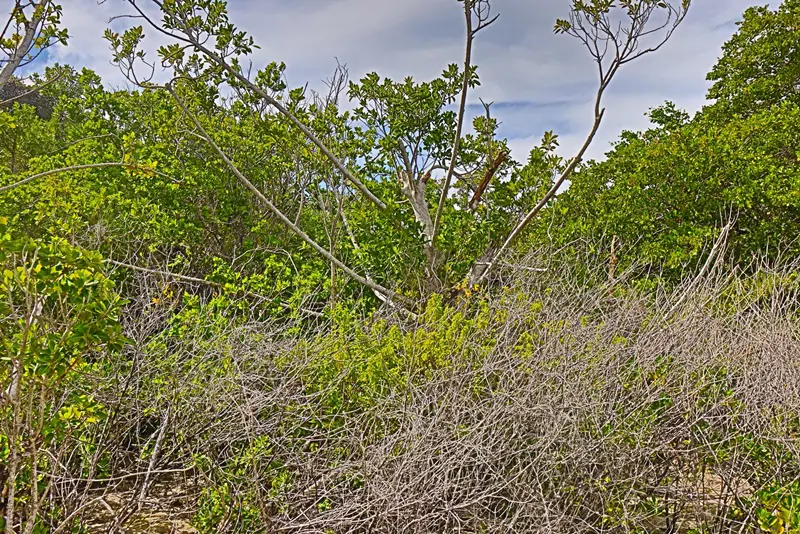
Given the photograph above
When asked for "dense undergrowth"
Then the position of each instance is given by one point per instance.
(546, 405)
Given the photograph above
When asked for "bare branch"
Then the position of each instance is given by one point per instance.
(523, 223)
(32, 31)
(593, 26)
(481, 8)
(487, 177)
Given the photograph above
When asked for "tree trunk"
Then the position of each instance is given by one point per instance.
(415, 193)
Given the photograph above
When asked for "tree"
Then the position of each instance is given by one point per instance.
(760, 64)
(662, 195)
(31, 28)
(611, 45)
(409, 144)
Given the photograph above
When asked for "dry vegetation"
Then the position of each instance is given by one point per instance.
(551, 408)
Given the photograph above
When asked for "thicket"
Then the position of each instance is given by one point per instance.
(230, 306)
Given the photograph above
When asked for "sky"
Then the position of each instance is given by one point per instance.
(538, 81)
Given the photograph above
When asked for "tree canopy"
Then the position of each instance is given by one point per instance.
(663, 194)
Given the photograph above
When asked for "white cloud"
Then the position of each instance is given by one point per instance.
(550, 78)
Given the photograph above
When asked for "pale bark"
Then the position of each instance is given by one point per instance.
(600, 36)
(25, 45)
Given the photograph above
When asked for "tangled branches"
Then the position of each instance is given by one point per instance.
(551, 409)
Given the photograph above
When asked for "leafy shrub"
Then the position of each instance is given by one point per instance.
(58, 321)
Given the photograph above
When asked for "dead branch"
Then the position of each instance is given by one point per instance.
(487, 177)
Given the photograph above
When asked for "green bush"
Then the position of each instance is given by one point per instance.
(59, 320)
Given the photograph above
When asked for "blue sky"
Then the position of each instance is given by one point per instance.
(538, 81)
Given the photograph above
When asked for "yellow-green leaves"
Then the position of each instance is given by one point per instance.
(760, 64)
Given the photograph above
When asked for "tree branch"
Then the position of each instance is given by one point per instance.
(24, 181)
(278, 213)
(522, 224)
(487, 177)
(598, 30)
(437, 219)
(31, 28)
(219, 60)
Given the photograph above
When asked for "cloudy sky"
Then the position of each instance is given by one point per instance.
(538, 81)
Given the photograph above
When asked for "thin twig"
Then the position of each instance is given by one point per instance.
(29, 179)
